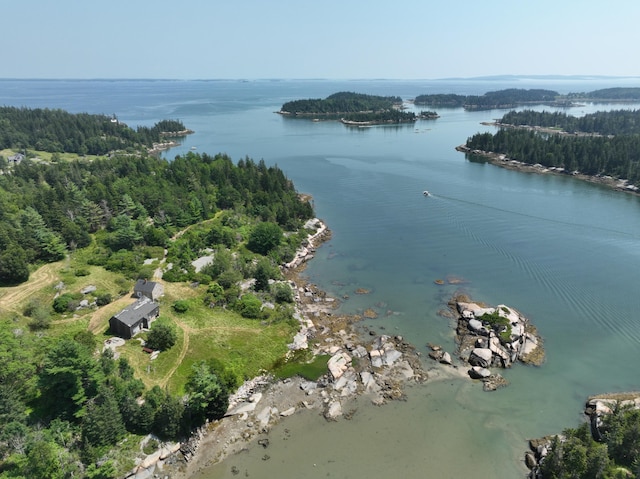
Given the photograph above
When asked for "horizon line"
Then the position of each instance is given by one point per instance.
(243, 79)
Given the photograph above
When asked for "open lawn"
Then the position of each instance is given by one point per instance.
(244, 346)
(46, 155)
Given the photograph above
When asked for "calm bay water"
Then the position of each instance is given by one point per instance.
(563, 252)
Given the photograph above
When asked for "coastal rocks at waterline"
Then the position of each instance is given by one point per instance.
(381, 370)
(492, 338)
(306, 252)
(378, 370)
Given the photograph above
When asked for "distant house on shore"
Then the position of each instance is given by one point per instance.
(134, 318)
(148, 289)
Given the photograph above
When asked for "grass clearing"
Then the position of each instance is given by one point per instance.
(246, 347)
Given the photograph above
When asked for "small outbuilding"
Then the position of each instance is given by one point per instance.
(148, 289)
(134, 318)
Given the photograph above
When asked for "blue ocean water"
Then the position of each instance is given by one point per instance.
(563, 252)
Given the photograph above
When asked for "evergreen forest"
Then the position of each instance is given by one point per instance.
(604, 143)
(604, 123)
(341, 103)
(508, 98)
(58, 131)
(68, 406)
(616, 455)
(513, 97)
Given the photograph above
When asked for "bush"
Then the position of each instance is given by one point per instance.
(65, 302)
(229, 278)
(249, 306)
(103, 299)
(40, 319)
(162, 336)
(282, 293)
(499, 323)
(181, 306)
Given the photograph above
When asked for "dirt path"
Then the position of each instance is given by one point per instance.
(11, 298)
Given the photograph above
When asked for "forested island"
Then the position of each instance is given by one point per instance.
(514, 97)
(508, 98)
(355, 109)
(603, 145)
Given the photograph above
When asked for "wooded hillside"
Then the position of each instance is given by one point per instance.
(609, 143)
(58, 131)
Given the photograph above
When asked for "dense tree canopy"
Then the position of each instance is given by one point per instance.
(616, 94)
(616, 454)
(208, 396)
(615, 122)
(264, 237)
(162, 336)
(82, 133)
(342, 103)
(508, 98)
(617, 154)
(130, 201)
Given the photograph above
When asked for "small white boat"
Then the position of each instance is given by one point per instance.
(426, 193)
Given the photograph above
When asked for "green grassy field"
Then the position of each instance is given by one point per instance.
(245, 346)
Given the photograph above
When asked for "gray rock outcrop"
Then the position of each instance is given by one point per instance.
(493, 338)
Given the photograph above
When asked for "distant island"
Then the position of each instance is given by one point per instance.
(355, 109)
(514, 97)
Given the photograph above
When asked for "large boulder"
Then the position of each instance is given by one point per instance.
(478, 372)
(245, 407)
(480, 357)
(334, 410)
(391, 356)
(338, 364)
(476, 326)
(446, 358)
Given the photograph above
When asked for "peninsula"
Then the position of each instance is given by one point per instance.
(602, 147)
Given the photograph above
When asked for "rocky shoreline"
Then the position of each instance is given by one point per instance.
(360, 365)
(378, 367)
(503, 161)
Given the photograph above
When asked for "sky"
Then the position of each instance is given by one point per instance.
(329, 39)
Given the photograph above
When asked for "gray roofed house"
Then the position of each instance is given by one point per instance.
(148, 289)
(134, 318)
(16, 159)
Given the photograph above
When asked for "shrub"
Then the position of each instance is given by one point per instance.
(249, 306)
(282, 293)
(65, 302)
(162, 336)
(499, 323)
(103, 299)
(181, 306)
